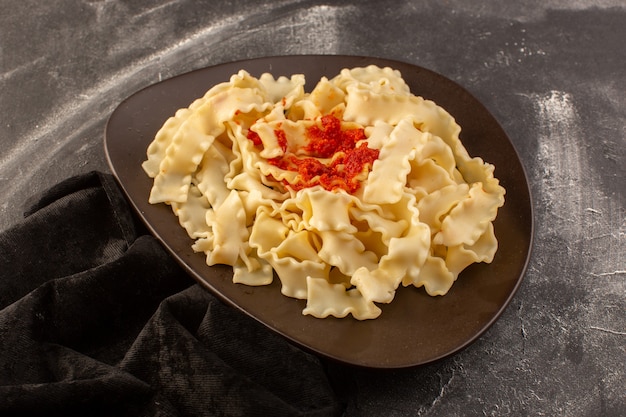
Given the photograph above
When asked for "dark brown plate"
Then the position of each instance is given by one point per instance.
(415, 328)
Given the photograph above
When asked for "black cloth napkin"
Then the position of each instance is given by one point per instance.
(97, 320)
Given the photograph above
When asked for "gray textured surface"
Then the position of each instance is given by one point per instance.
(552, 72)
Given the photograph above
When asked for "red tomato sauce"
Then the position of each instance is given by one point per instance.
(325, 142)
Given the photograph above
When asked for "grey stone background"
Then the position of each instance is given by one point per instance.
(553, 73)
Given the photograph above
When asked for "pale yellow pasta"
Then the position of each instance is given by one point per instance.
(434, 207)
(325, 97)
(158, 147)
(469, 219)
(243, 172)
(192, 213)
(345, 252)
(194, 137)
(326, 299)
(230, 234)
(461, 256)
(387, 228)
(323, 211)
(211, 174)
(252, 272)
(373, 78)
(434, 276)
(388, 177)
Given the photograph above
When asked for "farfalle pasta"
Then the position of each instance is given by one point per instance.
(345, 193)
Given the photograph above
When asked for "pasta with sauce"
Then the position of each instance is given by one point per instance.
(344, 193)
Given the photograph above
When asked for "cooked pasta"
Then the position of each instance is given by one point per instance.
(344, 193)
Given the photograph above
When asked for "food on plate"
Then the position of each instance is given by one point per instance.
(345, 192)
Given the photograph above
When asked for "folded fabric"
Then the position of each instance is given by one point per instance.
(97, 319)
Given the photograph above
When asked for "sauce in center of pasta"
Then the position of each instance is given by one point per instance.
(333, 158)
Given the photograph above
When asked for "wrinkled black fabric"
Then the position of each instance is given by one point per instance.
(97, 320)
